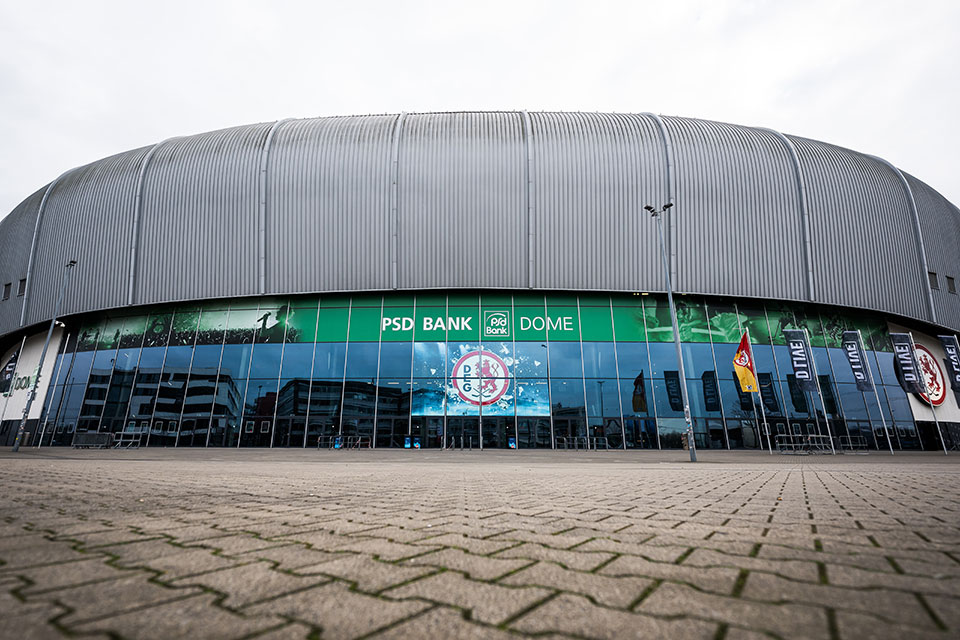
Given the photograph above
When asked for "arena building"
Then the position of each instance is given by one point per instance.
(489, 279)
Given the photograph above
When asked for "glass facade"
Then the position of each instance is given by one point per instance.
(520, 370)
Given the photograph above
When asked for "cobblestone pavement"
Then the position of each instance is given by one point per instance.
(395, 544)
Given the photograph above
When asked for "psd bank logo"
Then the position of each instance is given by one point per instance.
(496, 324)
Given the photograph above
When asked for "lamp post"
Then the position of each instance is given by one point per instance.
(36, 380)
(657, 214)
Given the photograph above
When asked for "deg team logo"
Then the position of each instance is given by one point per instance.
(480, 377)
(742, 359)
(933, 377)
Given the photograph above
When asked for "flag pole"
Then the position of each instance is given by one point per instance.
(816, 376)
(756, 377)
(876, 393)
(926, 392)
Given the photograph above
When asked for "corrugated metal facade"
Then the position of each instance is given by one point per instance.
(328, 205)
(741, 228)
(591, 176)
(482, 200)
(73, 226)
(940, 225)
(865, 250)
(16, 230)
(461, 201)
(198, 226)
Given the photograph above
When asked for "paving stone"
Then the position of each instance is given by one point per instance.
(577, 615)
(476, 567)
(618, 592)
(476, 546)
(99, 599)
(579, 560)
(237, 544)
(796, 621)
(245, 584)
(291, 556)
(185, 563)
(880, 531)
(66, 574)
(893, 606)
(489, 603)
(289, 631)
(339, 612)
(368, 574)
(178, 619)
(40, 552)
(717, 580)
(858, 625)
(795, 569)
(441, 622)
(852, 577)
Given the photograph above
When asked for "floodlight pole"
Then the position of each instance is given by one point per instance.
(36, 379)
(691, 445)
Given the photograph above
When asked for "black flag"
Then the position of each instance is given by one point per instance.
(672, 381)
(952, 349)
(905, 363)
(639, 394)
(857, 359)
(6, 375)
(802, 359)
(711, 391)
(768, 393)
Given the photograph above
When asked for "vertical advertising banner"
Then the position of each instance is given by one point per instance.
(768, 393)
(802, 359)
(6, 374)
(952, 349)
(905, 363)
(711, 391)
(850, 341)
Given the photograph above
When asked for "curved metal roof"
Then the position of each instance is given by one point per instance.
(483, 200)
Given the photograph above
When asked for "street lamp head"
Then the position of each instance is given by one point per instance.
(667, 206)
(648, 207)
(72, 263)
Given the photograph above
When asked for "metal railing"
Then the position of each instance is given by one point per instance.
(802, 444)
(853, 444)
(582, 443)
(450, 443)
(343, 442)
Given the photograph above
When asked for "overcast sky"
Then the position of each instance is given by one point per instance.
(83, 80)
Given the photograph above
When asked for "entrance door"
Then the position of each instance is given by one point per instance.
(463, 431)
(499, 432)
(321, 431)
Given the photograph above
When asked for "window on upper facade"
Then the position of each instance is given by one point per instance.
(934, 283)
(22, 287)
(6, 290)
(951, 285)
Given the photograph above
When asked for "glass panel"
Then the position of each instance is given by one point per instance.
(463, 387)
(211, 327)
(329, 360)
(530, 360)
(628, 324)
(429, 359)
(596, 323)
(599, 360)
(428, 398)
(532, 398)
(395, 360)
(332, 324)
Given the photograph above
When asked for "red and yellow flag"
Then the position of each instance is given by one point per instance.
(743, 366)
